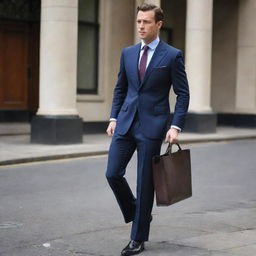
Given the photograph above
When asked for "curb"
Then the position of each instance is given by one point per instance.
(105, 152)
(221, 139)
(51, 157)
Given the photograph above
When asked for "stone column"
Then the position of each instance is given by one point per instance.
(57, 120)
(155, 2)
(246, 65)
(198, 65)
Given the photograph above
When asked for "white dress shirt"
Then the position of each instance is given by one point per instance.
(152, 46)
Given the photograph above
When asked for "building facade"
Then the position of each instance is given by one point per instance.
(59, 61)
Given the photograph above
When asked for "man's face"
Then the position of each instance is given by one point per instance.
(147, 27)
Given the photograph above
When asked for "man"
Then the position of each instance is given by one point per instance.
(140, 119)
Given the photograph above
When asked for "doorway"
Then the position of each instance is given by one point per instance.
(19, 61)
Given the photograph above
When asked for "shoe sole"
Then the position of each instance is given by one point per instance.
(134, 253)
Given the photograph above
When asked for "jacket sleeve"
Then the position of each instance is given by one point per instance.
(120, 90)
(181, 89)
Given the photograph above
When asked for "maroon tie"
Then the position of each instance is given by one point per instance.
(143, 63)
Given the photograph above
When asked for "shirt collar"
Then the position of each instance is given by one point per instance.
(152, 45)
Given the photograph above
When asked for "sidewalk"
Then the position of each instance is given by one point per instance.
(16, 147)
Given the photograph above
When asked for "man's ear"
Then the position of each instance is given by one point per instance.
(160, 24)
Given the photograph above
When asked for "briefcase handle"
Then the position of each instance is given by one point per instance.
(169, 148)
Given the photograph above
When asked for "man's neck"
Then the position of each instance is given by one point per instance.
(148, 42)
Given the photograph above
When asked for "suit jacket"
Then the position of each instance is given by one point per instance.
(150, 97)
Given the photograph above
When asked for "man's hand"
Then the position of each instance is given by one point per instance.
(172, 135)
(111, 128)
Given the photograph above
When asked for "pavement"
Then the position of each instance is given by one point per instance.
(16, 147)
(66, 208)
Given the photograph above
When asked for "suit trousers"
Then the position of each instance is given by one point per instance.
(136, 209)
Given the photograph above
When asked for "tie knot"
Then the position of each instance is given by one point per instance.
(145, 47)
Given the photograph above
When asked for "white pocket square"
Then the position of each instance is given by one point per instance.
(161, 67)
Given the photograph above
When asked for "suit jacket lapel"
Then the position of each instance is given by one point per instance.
(134, 59)
(158, 55)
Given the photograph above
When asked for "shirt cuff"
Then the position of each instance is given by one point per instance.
(176, 127)
(112, 119)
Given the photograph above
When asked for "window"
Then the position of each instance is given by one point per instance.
(22, 10)
(88, 42)
(166, 35)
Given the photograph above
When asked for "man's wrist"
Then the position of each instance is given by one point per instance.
(176, 127)
(112, 120)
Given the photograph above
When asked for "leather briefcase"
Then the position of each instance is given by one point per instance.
(172, 176)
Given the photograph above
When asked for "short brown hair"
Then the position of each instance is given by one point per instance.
(159, 14)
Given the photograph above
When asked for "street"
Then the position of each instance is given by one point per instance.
(65, 207)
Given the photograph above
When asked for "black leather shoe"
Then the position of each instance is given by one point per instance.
(134, 247)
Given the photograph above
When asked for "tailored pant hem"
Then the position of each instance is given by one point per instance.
(128, 221)
(143, 239)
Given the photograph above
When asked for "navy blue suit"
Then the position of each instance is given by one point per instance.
(143, 117)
